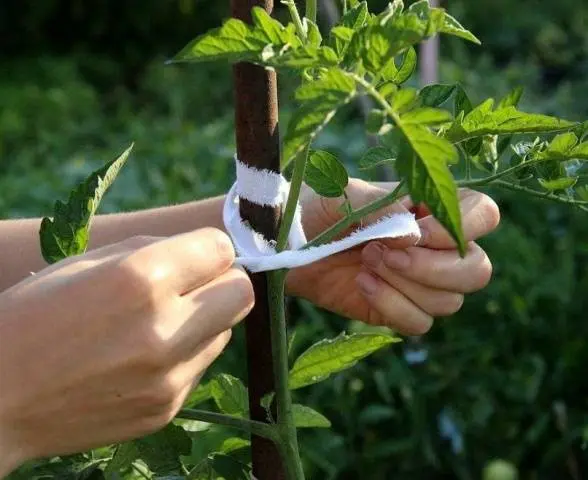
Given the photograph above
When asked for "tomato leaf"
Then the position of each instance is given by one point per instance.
(334, 355)
(67, 233)
(325, 174)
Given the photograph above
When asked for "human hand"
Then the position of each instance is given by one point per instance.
(395, 282)
(106, 346)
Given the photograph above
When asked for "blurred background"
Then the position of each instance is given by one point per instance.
(501, 386)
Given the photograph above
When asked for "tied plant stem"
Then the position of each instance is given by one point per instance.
(288, 438)
(295, 185)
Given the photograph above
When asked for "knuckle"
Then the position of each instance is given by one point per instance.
(134, 281)
(153, 352)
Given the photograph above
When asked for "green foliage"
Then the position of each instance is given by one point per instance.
(68, 233)
(162, 450)
(325, 174)
(230, 395)
(334, 355)
(306, 417)
(495, 370)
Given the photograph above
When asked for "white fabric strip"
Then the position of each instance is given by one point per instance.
(258, 255)
(261, 187)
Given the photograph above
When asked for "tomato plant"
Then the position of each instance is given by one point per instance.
(435, 139)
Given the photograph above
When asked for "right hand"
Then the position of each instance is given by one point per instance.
(105, 347)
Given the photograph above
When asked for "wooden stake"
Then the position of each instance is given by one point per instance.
(256, 120)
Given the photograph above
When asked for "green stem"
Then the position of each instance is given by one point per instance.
(357, 215)
(285, 420)
(480, 182)
(295, 185)
(250, 426)
(310, 11)
(344, 7)
(529, 191)
(296, 18)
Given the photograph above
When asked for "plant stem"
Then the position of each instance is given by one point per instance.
(285, 419)
(295, 18)
(357, 215)
(245, 425)
(310, 11)
(534, 193)
(291, 204)
(344, 7)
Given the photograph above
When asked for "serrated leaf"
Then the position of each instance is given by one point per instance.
(580, 151)
(267, 28)
(230, 395)
(407, 67)
(322, 98)
(355, 17)
(124, 456)
(234, 41)
(340, 38)
(376, 156)
(429, 179)
(375, 52)
(334, 355)
(482, 120)
(435, 95)
(404, 99)
(452, 27)
(314, 34)
(325, 174)
(306, 417)
(462, 101)
(67, 233)
(512, 99)
(558, 183)
(426, 116)
(161, 450)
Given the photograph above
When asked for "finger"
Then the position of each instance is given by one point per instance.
(480, 216)
(390, 308)
(77, 263)
(435, 302)
(187, 261)
(190, 372)
(437, 269)
(214, 308)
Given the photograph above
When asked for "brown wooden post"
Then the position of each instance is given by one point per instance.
(256, 120)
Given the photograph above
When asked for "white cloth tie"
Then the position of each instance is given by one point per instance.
(267, 188)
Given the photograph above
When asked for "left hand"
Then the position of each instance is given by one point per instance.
(395, 282)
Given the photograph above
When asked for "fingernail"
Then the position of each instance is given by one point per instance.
(424, 237)
(367, 283)
(397, 259)
(372, 255)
